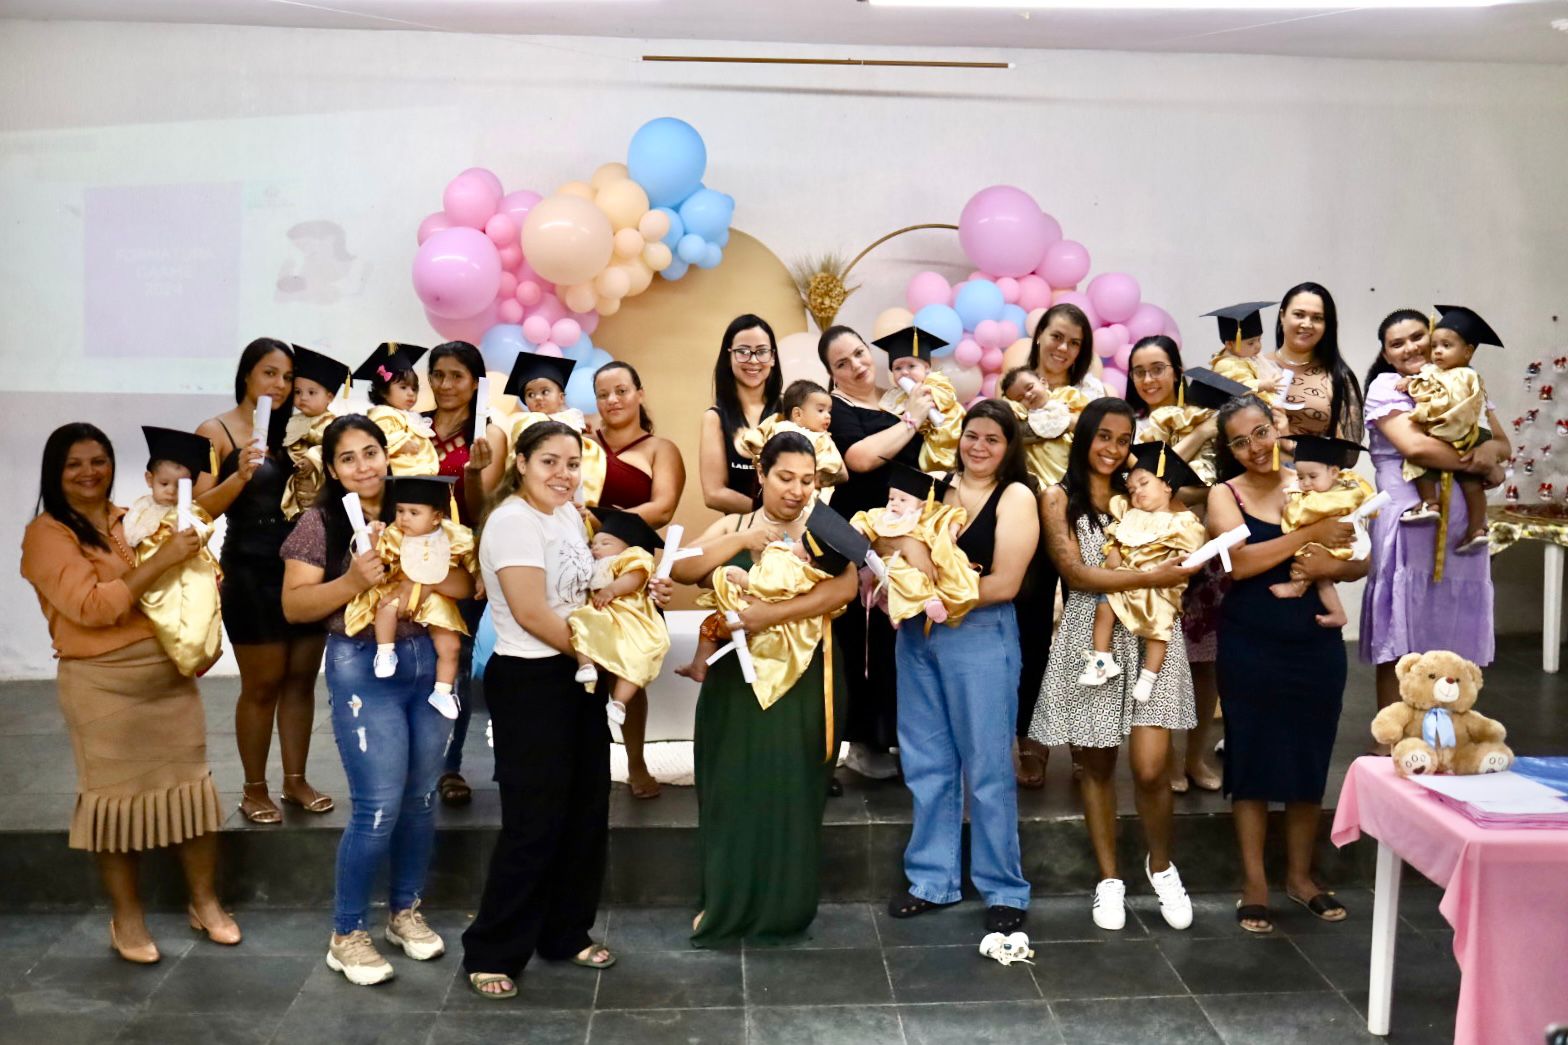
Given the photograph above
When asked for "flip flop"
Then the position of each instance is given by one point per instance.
(454, 790)
(1254, 912)
(907, 905)
(589, 963)
(1322, 906)
(478, 980)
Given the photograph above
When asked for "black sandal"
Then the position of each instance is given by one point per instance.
(454, 790)
(1005, 920)
(1322, 906)
(906, 905)
(1254, 912)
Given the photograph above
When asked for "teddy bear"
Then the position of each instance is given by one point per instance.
(1432, 728)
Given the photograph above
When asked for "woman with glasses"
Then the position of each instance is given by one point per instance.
(1281, 674)
(747, 381)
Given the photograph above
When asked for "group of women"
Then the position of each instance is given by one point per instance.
(971, 710)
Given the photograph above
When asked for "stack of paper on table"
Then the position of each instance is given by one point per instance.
(1500, 799)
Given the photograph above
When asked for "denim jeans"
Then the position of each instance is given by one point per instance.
(957, 700)
(465, 707)
(392, 743)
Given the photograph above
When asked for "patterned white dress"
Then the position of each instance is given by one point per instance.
(1088, 716)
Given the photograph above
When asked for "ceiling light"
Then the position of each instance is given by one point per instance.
(1189, 5)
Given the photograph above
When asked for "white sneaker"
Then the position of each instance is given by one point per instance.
(615, 711)
(358, 960)
(588, 675)
(1175, 904)
(873, 765)
(409, 930)
(489, 733)
(443, 702)
(1144, 688)
(385, 664)
(1110, 904)
(1099, 670)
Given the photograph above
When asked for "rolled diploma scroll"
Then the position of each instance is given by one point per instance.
(260, 421)
(1361, 549)
(356, 520)
(1371, 506)
(737, 645)
(1220, 546)
(182, 512)
(908, 386)
(877, 567)
(1285, 377)
(481, 408)
(673, 552)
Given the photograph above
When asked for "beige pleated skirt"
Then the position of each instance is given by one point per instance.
(139, 735)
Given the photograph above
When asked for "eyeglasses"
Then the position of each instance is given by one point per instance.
(1261, 434)
(1157, 370)
(746, 355)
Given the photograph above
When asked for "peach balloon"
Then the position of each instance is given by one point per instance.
(656, 255)
(628, 243)
(891, 319)
(1016, 354)
(607, 173)
(654, 225)
(624, 201)
(567, 239)
(580, 189)
(579, 297)
(613, 282)
(639, 275)
(610, 307)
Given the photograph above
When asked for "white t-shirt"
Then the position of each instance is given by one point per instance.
(517, 534)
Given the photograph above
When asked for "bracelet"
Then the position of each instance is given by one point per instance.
(910, 421)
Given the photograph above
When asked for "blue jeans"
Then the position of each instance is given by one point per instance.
(465, 708)
(392, 742)
(957, 701)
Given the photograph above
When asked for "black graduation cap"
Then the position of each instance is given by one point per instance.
(1209, 390)
(434, 490)
(193, 451)
(911, 342)
(389, 358)
(833, 543)
(1241, 322)
(531, 366)
(1166, 464)
(915, 482)
(628, 526)
(1467, 324)
(322, 369)
(1341, 453)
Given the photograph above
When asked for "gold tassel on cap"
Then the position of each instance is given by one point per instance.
(1159, 466)
(1237, 349)
(212, 459)
(1275, 465)
(1181, 391)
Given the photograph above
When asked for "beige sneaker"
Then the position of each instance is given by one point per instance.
(409, 930)
(356, 957)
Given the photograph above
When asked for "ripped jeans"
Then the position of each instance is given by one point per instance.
(392, 743)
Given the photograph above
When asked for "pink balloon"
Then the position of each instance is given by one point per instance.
(1065, 263)
(991, 362)
(529, 292)
(1073, 297)
(1003, 230)
(549, 348)
(988, 385)
(1035, 315)
(1009, 288)
(968, 352)
(503, 231)
(1145, 321)
(1123, 357)
(457, 272)
(508, 286)
(1033, 293)
(509, 311)
(511, 257)
(525, 273)
(1108, 340)
(988, 333)
(927, 288)
(469, 328)
(565, 332)
(471, 198)
(1115, 296)
(516, 205)
(432, 224)
(536, 329)
(550, 308)
(1115, 382)
(588, 321)
(1053, 230)
(1173, 332)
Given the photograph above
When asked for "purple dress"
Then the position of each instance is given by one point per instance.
(1402, 611)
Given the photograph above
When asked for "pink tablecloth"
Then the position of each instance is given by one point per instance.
(1505, 894)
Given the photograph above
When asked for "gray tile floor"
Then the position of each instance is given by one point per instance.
(862, 978)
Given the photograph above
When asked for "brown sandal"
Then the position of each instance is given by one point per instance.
(1031, 765)
(253, 809)
(454, 790)
(320, 804)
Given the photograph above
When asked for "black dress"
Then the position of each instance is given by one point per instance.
(1281, 681)
(252, 587)
(867, 638)
(1033, 606)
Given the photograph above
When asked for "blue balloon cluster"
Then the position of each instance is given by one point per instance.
(504, 341)
(667, 158)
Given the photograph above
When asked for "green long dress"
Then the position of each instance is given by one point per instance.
(762, 780)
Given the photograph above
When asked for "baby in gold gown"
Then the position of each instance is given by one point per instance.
(539, 383)
(316, 381)
(1242, 360)
(909, 361)
(1151, 528)
(619, 629)
(394, 389)
(183, 602)
(807, 408)
(1324, 487)
(420, 546)
(1046, 416)
(915, 510)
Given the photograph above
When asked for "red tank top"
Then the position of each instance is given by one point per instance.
(625, 485)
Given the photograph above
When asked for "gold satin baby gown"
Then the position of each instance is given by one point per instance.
(1145, 540)
(411, 448)
(1450, 405)
(939, 450)
(435, 610)
(1305, 507)
(1171, 424)
(182, 603)
(627, 638)
(830, 463)
(908, 589)
(302, 440)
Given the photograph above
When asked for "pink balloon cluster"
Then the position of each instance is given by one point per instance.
(1019, 248)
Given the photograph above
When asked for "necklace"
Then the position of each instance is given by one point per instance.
(119, 545)
(771, 521)
(968, 503)
(1288, 361)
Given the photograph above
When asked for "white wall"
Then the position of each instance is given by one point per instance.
(1211, 178)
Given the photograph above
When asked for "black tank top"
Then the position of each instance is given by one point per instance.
(741, 473)
(256, 525)
(979, 540)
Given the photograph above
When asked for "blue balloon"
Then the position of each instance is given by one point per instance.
(1015, 315)
(579, 351)
(667, 158)
(942, 321)
(674, 270)
(500, 346)
(977, 301)
(691, 248)
(579, 390)
(712, 254)
(723, 238)
(677, 230)
(597, 357)
(707, 213)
